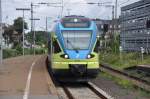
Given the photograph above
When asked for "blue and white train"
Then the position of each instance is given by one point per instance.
(73, 49)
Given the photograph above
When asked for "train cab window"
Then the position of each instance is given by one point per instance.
(56, 47)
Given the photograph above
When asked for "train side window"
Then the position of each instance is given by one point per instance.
(56, 47)
(97, 46)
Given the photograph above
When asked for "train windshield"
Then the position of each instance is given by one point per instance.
(77, 40)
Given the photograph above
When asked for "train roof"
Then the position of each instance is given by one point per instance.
(74, 16)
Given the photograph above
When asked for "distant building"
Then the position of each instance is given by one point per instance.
(135, 26)
(108, 27)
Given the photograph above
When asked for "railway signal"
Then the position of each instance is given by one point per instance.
(23, 9)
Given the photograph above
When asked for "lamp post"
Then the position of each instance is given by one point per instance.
(148, 41)
(142, 52)
(23, 10)
(120, 49)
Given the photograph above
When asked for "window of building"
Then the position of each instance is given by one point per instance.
(133, 21)
(148, 24)
(110, 26)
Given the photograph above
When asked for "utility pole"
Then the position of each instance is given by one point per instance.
(23, 9)
(1, 31)
(32, 17)
(116, 9)
(116, 23)
(62, 8)
(34, 37)
(32, 23)
(113, 9)
(46, 28)
(46, 24)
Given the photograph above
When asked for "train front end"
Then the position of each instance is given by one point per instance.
(74, 55)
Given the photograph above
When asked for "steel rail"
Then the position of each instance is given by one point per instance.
(68, 93)
(99, 92)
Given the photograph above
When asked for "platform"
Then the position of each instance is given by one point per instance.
(26, 77)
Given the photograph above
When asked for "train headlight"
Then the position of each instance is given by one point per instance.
(66, 56)
(89, 56)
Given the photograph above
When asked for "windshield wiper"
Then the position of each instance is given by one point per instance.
(72, 46)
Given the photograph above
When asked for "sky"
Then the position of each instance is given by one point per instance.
(77, 7)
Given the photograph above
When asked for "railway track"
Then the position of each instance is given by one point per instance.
(82, 91)
(144, 84)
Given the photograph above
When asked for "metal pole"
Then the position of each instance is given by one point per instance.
(120, 49)
(115, 28)
(1, 38)
(142, 52)
(32, 23)
(34, 37)
(147, 42)
(23, 33)
(46, 24)
(116, 9)
(112, 20)
(62, 8)
(147, 46)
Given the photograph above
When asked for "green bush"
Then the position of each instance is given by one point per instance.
(128, 59)
(7, 53)
(40, 51)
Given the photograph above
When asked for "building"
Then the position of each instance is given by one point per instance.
(108, 27)
(135, 26)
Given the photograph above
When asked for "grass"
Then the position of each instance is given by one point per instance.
(119, 81)
(126, 84)
(8, 53)
(127, 59)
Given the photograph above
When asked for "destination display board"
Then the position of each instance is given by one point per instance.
(75, 22)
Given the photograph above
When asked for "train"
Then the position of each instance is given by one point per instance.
(73, 49)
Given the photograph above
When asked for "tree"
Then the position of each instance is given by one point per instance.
(18, 25)
(8, 32)
(40, 37)
(13, 33)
